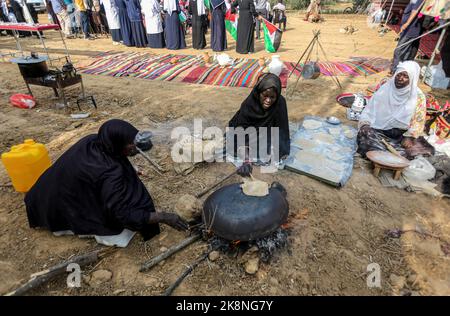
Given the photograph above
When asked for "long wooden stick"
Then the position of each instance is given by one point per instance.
(304, 52)
(155, 260)
(199, 195)
(186, 272)
(157, 167)
(390, 148)
(44, 276)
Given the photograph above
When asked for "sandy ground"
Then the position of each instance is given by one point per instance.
(335, 233)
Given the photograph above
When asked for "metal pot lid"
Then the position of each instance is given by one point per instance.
(143, 136)
(29, 60)
(232, 215)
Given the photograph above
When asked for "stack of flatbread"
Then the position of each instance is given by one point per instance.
(254, 187)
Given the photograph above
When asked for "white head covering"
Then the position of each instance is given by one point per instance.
(170, 6)
(390, 107)
(150, 7)
(200, 7)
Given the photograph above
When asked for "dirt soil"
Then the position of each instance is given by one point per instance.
(335, 233)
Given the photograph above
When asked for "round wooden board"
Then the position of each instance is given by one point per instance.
(385, 158)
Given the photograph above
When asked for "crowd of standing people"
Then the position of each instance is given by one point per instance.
(156, 23)
(75, 17)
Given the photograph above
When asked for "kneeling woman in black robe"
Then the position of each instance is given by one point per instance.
(265, 107)
(93, 189)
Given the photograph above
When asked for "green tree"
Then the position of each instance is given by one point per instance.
(363, 3)
(298, 4)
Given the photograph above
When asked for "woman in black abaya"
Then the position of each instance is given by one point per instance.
(199, 23)
(17, 9)
(137, 28)
(173, 31)
(246, 27)
(218, 34)
(126, 30)
(265, 107)
(93, 189)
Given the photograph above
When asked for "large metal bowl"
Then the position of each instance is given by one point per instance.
(311, 70)
(232, 215)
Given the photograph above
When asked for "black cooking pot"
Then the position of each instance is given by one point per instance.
(143, 140)
(232, 215)
(32, 66)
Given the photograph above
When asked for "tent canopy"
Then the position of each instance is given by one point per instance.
(397, 5)
(432, 7)
(435, 8)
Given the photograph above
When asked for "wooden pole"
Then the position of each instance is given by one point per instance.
(199, 195)
(307, 48)
(389, 14)
(157, 167)
(155, 260)
(44, 276)
(390, 148)
(423, 35)
(186, 272)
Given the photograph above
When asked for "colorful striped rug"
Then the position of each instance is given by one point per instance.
(140, 65)
(356, 66)
(192, 69)
(243, 73)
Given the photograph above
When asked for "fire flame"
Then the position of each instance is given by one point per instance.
(235, 243)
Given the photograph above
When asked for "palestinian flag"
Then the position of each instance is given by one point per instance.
(231, 22)
(272, 36)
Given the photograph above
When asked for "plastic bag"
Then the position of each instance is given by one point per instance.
(22, 101)
(435, 76)
(420, 169)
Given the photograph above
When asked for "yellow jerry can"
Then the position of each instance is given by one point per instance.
(25, 163)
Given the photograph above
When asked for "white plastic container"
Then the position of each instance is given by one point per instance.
(435, 76)
(276, 65)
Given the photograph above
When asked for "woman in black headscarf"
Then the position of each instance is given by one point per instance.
(265, 107)
(246, 26)
(93, 189)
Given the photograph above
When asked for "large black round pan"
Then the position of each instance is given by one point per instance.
(232, 215)
(347, 99)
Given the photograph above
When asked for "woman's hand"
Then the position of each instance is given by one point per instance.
(403, 27)
(171, 219)
(407, 142)
(245, 170)
(364, 126)
(174, 221)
